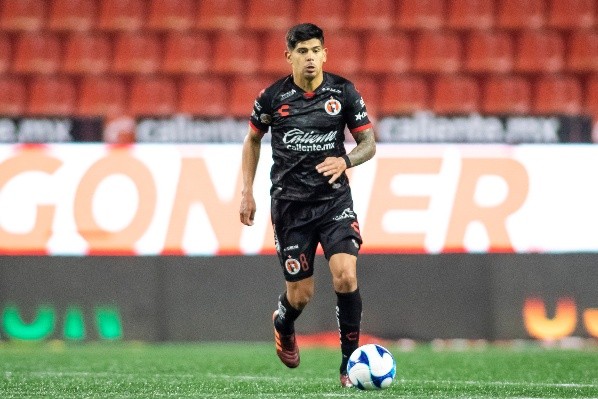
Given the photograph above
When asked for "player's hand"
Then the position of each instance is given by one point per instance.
(247, 211)
(333, 167)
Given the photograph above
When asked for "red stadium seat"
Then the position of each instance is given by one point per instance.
(186, 53)
(489, 52)
(5, 54)
(263, 16)
(540, 51)
(369, 88)
(387, 53)
(583, 51)
(242, 94)
(455, 94)
(13, 96)
(102, 96)
(137, 53)
(437, 52)
(507, 95)
(370, 14)
(470, 14)
(572, 14)
(591, 99)
(171, 15)
(558, 95)
(87, 54)
(420, 14)
(22, 15)
(333, 19)
(54, 96)
(203, 97)
(344, 53)
(72, 15)
(220, 15)
(121, 15)
(234, 53)
(402, 94)
(517, 14)
(37, 53)
(152, 97)
(274, 61)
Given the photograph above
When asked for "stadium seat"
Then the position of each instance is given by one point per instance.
(420, 14)
(203, 96)
(55, 96)
(102, 96)
(152, 97)
(220, 15)
(72, 15)
(22, 15)
(517, 14)
(5, 54)
(37, 53)
(470, 14)
(489, 52)
(121, 15)
(539, 52)
(437, 52)
(13, 96)
(171, 15)
(234, 53)
(333, 19)
(186, 53)
(274, 61)
(572, 14)
(387, 52)
(591, 99)
(455, 94)
(261, 15)
(583, 51)
(87, 54)
(558, 95)
(370, 14)
(137, 53)
(344, 53)
(507, 94)
(403, 94)
(242, 94)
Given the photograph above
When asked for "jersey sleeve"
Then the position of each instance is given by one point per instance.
(261, 116)
(356, 113)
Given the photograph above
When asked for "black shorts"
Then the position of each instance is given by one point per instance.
(300, 226)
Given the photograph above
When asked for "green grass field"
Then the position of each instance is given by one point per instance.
(241, 370)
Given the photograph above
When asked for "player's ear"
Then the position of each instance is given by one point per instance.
(287, 55)
(324, 54)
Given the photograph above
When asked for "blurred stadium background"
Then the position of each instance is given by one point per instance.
(124, 71)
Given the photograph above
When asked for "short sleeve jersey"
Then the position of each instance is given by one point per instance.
(306, 128)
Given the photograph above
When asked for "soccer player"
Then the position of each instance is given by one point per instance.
(306, 114)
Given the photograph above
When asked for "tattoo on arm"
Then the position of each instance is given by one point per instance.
(365, 148)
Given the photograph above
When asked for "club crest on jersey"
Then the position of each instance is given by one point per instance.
(292, 266)
(332, 107)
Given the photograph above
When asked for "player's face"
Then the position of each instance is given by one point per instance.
(307, 59)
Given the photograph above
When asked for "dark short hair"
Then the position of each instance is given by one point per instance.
(303, 32)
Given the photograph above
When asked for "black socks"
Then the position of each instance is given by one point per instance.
(348, 314)
(287, 314)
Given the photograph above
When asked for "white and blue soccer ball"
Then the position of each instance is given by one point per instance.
(371, 367)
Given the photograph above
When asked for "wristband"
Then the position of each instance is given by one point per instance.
(347, 160)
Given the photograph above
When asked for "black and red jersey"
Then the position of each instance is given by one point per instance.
(306, 128)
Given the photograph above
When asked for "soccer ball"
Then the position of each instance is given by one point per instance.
(371, 367)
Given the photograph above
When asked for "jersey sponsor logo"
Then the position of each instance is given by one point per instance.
(291, 247)
(332, 90)
(298, 140)
(257, 105)
(332, 107)
(292, 266)
(361, 102)
(284, 110)
(360, 115)
(347, 214)
(288, 94)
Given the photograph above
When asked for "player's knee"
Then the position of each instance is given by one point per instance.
(300, 295)
(345, 281)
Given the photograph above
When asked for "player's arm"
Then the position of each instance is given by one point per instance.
(363, 151)
(249, 161)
